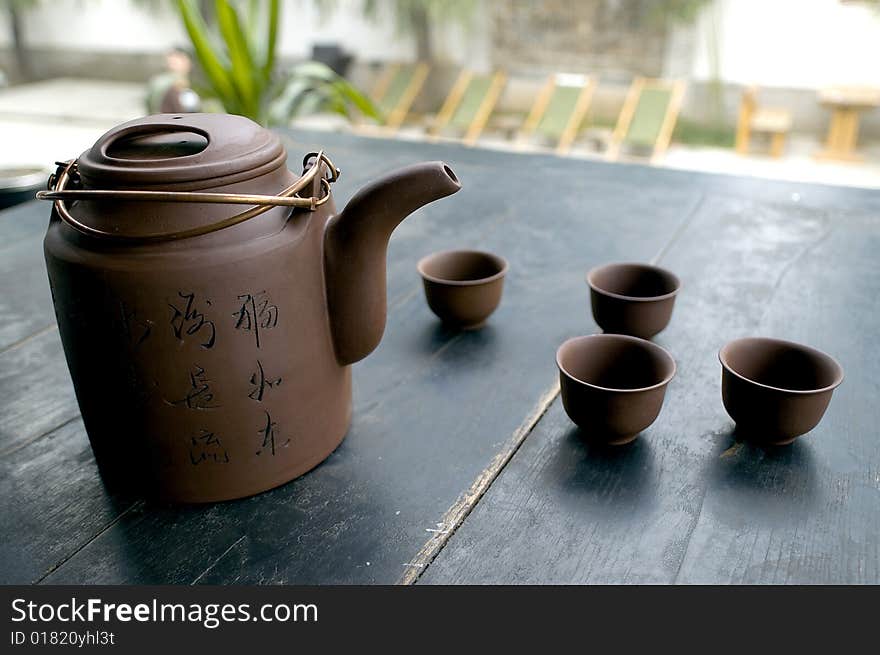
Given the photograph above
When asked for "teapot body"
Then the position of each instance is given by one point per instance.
(204, 369)
(201, 357)
(209, 347)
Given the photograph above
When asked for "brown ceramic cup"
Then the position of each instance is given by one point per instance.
(613, 385)
(776, 390)
(634, 299)
(463, 287)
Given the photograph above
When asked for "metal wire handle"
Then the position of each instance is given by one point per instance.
(67, 173)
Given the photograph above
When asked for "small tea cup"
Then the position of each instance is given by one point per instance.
(634, 299)
(613, 385)
(776, 390)
(463, 287)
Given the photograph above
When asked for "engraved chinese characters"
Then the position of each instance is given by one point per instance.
(189, 321)
(206, 447)
(193, 319)
(261, 383)
(199, 394)
(256, 314)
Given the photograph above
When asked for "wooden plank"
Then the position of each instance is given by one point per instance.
(35, 388)
(484, 112)
(327, 525)
(625, 118)
(433, 407)
(59, 504)
(669, 119)
(685, 502)
(570, 133)
(25, 306)
(25, 302)
(818, 503)
(453, 100)
(399, 113)
(23, 222)
(466, 501)
(383, 81)
(537, 110)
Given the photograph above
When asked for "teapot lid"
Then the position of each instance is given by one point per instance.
(207, 160)
(194, 150)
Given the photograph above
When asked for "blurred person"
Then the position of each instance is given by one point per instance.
(170, 91)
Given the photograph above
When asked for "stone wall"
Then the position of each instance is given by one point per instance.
(617, 38)
(47, 63)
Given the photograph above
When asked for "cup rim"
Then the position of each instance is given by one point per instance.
(620, 296)
(618, 337)
(725, 349)
(500, 261)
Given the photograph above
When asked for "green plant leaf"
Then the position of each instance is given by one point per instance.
(353, 96)
(252, 16)
(315, 70)
(271, 39)
(209, 59)
(243, 69)
(339, 91)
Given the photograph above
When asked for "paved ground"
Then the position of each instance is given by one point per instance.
(798, 165)
(58, 119)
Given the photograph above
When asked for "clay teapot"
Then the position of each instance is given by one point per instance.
(210, 347)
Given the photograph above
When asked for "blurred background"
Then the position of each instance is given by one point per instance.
(784, 89)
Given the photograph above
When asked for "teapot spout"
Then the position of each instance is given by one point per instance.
(355, 247)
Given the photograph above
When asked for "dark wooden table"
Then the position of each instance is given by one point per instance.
(460, 465)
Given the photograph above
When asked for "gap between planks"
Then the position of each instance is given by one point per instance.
(27, 442)
(456, 515)
(28, 338)
(216, 561)
(128, 510)
(459, 511)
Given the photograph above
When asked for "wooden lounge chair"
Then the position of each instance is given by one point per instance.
(773, 121)
(648, 117)
(469, 105)
(396, 89)
(559, 109)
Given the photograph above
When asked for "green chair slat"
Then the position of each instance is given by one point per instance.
(559, 110)
(399, 84)
(648, 116)
(470, 103)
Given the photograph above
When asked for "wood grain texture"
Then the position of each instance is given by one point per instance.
(59, 503)
(433, 407)
(25, 302)
(35, 388)
(686, 502)
(24, 221)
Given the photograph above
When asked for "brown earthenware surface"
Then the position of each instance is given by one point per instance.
(613, 385)
(463, 287)
(776, 390)
(223, 359)
(631, 298)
